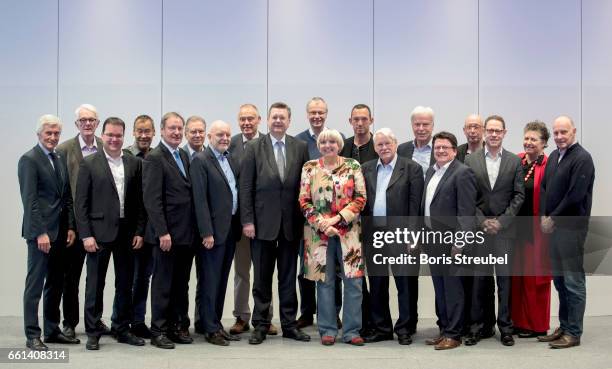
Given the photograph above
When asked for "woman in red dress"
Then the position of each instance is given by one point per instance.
(531, 282)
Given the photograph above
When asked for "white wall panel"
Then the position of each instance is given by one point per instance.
(425, 53)
(320, 48)
(529, 62)
(596, 96)
(110, 56)
(28, 89)
(214, 57)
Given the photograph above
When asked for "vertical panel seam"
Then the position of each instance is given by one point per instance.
(267, 55)
(581, 69)
(478, 56)
(161, 98)
(373, 61)
(57, 63)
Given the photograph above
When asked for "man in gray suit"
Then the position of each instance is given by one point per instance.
(195, 133)
(501, 191)
(74, 150)
(269, 186)
(248, 121)
(48, 227)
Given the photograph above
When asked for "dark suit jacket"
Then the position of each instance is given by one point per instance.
(167, 197)
(71, 150)
(212, 197)
(505, 199)
(237, 148)
(47, 204)
(454, 201)
(265, 200)
(407, 149)
(366, 154)
(567, 187)
(404, 191)
(96, 203)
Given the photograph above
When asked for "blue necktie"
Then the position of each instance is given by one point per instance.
(179, 162)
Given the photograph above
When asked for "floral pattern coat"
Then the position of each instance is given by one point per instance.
(324, 194)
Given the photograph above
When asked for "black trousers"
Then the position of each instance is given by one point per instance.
(170, 288)
(75, 258)
(214, 269)
(407, 299)
(45, 276)
(265, 254)
(97, 267)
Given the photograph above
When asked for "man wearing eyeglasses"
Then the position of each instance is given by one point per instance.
(74, 150)
(474, 132)
(501, 191)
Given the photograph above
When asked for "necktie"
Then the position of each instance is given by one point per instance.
(179, 162)
(280, 160)
(56, 168)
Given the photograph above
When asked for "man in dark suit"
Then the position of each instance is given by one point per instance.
(110, 219)
(167, 199)
(566, 198)
(449, 204)
(48, 227)
(269, 187)
(195, 134)
(143, 132)
(419, 149)
(74, 150)
(394, 186)
(474, 131)
(248, 121)
(214, 176)
(501, 191)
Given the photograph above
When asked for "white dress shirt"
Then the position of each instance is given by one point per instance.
(430, 191)
(117, 169)
(493, 165)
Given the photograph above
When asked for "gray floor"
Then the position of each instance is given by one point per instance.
(277, 352)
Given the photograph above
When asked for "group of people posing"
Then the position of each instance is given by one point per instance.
(295, 204)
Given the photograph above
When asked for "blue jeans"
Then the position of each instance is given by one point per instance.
(567, 249)
(326, 301)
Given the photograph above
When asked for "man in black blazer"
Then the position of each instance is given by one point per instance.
(473, 129)
(248, 121)
(501, 191)
(110, 219)
(214, 177)
(394, 186)
(419, 149)
(167, 199)
(448, 204)
(74, 150)
(566, 199)
(270, 214)
(48, 227)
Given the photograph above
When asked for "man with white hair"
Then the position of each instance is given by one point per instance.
(74, 150)
(48, 227)
(419, 149)
(394, 186)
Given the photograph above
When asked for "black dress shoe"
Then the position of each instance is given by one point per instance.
(102, 328)
(93, 343)
(60, 338)
(305, 321)
(507, 339)
(141, 330)
(257, 337)
(378, 337)
(162, 341)
(182, 336)
(404, 339)
(68, 331)
(36, 344)
(216, 339)
(228, 337)
(130, 339)
(471, 339)
(296, 334)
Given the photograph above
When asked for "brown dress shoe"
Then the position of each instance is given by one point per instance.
(551, 337)
(565, 341)
(240, 326)
(433, 341)
(272, 330)
(447, 344)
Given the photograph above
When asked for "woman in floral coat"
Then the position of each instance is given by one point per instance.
(332, 195)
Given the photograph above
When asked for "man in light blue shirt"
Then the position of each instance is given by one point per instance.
(419, 149)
